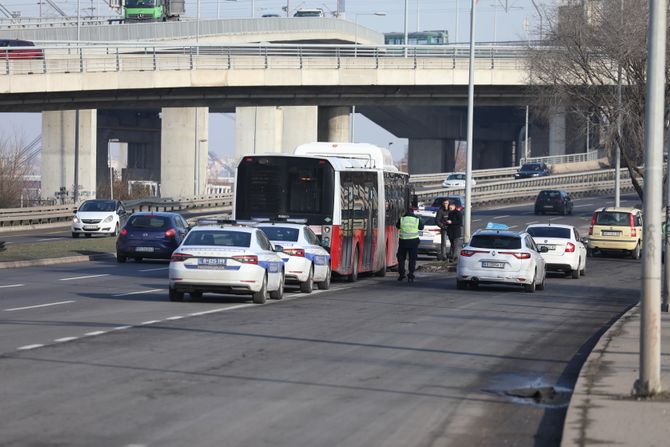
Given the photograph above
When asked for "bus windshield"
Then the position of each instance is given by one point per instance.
(142, 3)
(295, 187)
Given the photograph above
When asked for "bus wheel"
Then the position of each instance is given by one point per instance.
(353, 277)
(382, 272)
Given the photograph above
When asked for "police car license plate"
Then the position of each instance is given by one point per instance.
(493, 265)
(212, 262)
(549, 247)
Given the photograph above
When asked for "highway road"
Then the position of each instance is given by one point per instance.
(95, 354)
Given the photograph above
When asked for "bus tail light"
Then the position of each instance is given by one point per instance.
(246, 259)
(295, 252)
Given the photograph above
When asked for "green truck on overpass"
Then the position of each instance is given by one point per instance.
(152, 10)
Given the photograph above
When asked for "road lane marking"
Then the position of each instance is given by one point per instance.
(154, 270)
(121, 328)
(138, 293)
(72, 278)
(144, 323)
(50, 239)
(221, 309)
(65, 339)
(583, 206)
(94, 333)
(39, 305)
(176, 317)
(27, 347)
(11, 285)
(501, 217)
(477, 220)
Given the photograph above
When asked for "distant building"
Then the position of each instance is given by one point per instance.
(418, 38)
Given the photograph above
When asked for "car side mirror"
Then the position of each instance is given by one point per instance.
(544, 249)
(584, 240)
(278, 248)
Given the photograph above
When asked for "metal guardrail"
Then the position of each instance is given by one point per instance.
(479, 174)
(96, 58)
(566, 158)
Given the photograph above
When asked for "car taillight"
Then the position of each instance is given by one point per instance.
(570, 247)
(633, 231)
(246, 259)
(590, 231)
(124, 232)
(171, 232)
(295, 252)
(593, 219)
(518, 255)
(180, 257)
(468, 253)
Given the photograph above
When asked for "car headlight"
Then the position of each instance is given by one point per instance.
(75, 219)
(108, 219)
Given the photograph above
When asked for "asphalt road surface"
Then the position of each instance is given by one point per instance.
(95, 354)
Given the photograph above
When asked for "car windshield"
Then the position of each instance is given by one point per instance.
(286, 234)
(496, 241)
(531, 167)
(148, 222)
(140, 3)
(563, 233)
(427, 220)
(98, 205)
(456, 177)
(219, 238)
(550, 194)
(613, 218)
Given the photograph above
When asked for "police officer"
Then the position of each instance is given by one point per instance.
(409, 226)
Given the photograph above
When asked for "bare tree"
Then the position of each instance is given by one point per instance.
(588, 42)
(15, 164)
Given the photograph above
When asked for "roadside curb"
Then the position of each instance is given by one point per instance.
(53, 261)
(577, 421)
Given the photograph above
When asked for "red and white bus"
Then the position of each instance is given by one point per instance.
(350, 194)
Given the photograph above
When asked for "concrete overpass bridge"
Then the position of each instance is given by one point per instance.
(283, 95)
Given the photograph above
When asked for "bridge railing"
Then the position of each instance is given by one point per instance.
(479, 174)
(96, 58)
(566, 158)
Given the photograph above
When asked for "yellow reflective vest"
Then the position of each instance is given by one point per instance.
(409, 227)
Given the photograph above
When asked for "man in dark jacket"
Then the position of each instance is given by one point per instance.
(441, 220)
(454, 225)
(409, 226)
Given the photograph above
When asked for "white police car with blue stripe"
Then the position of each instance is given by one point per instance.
(226, 259)
(307, 262)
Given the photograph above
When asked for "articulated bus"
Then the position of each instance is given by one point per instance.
(350, 194)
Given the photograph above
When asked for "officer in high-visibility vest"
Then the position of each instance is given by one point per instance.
(409, 226)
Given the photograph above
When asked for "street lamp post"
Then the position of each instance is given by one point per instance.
(111, 169)
(471, 114)
(405, 32)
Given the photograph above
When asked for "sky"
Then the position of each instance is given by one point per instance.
(497, 20)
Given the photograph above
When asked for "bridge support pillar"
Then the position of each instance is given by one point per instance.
(265, 130)
(334, 124)
(58, 150)
(184, 151)
(492, 154)
(427, 156)
(557, 131)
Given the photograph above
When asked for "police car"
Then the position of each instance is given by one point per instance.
(499, 256)
(306, 261)
(226, 259)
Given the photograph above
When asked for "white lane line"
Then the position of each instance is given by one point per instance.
(477, 220)
(176, 317)
(27, 347)
(11, 285)
(72, 278)
(220, 309)
(502, 217)
(583, 206)
(138, 293)
(64, 339)
(144, 323)
(121, 328)
(154, 270)
(94, 333)
(50, 239)
(39, 305)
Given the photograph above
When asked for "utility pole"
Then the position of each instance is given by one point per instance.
(471, 115)
(649, 381)
(526, 151)
(406, 41)
(75, 193)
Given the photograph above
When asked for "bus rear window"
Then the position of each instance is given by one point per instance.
(295, 187)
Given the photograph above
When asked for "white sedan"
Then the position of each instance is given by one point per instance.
(566, 253)
(98, 217)
(501, 257)
(306, 261)
(456, 180)
(226, 259)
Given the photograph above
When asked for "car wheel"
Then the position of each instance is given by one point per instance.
(461, 285)
(279, 293)
(75, 235)
(116, 231)
(575, 273)
(175, 295)
(541, 285)
(262, 295)
(88, 234)
(308, 285)
(635, 254)
(138, 259)
(196, 295)
(530, 288)
(589, 253)
(353, 277)
(120, 259)
(381, 272)
(325, 284)
(583, 271)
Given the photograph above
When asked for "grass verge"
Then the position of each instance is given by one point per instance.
(58, 249)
